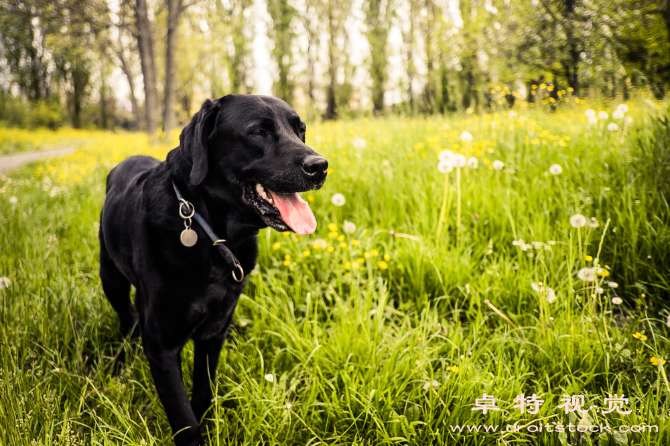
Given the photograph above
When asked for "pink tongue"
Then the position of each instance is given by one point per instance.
(295, 212)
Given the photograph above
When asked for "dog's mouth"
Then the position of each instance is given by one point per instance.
(279, 210)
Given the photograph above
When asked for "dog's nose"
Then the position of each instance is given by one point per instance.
(315, 164)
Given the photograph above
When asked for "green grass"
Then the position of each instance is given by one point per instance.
(353, 352)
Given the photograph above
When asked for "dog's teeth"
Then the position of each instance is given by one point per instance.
(270, 201)
(260, 189)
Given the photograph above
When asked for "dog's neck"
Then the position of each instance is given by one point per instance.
(224, 212)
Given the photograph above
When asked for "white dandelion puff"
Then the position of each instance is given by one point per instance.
(466, 136)
(623, 108)
(349, 227)
(612, 127)
(590, 113)
(577, 221)
(445, 155)
(338, 199)
(445, 166)
(592, 223)
(586, 274)
(4, 282)
(628, 120)
(617, 114)
(498, 165)
(13, 200)
(430, 384)
(473, 162)
(512, 114)
(545, 291)
(603, 115)
(459, 161)
(358, 143)
(555, 169)
(593, 120)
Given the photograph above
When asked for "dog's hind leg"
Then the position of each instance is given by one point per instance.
(117, 289)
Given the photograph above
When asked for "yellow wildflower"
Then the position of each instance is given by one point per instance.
(640, 336)
(383, 265)
(276, 246)
(355, 243)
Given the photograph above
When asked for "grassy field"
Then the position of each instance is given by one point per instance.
(375, 330)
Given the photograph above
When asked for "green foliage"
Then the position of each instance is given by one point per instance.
(360, 351)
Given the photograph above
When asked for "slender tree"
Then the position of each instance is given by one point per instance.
(146, 49)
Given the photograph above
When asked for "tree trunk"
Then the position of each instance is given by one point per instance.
(174, 14)
(331, 112)
(133, 99)
(79, 82)
(146, 47)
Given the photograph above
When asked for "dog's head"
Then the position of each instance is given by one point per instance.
(252, 149)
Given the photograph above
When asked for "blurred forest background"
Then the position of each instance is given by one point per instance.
(148, 64)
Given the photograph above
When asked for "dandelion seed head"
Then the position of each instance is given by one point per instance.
(590, 113)
(349, 227)
(473, 162)
(445, 166)
(593, 120)
(445, 155)
(603, 115)
(458, 161)
(555, 169)
(586, 274)
(498, 165)
(577, 221)
(612, 127)
(466, 136)
(338, 199)
(622, 108)
(617, 114)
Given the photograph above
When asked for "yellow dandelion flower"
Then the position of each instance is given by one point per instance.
(382, 265)
(330, 170)
(287, 262)
(355, 243)
(340, 238)
(287, 257)
(343, 245)
(367, 255)
(374, 252)
(276, 246)
(306, 253)
(330, 249)
(356, 265)
(286, 232)
(347, 265)
(332, 234)
(657, 361)
(588, 258)
(640, 336)
(310, 197)
(332, 227)
(387, 257)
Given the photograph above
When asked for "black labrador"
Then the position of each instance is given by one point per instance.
(240, 164)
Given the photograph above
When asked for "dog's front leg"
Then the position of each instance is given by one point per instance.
(205, 360)
(166, 371)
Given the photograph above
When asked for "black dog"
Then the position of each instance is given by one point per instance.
(240, 164)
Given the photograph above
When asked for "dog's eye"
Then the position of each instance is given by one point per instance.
(259, 132)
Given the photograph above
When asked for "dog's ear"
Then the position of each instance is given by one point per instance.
(194, 139)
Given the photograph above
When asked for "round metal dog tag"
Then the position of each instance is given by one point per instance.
(188, 237)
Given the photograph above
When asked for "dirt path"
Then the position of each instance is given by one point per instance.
(10, 162)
